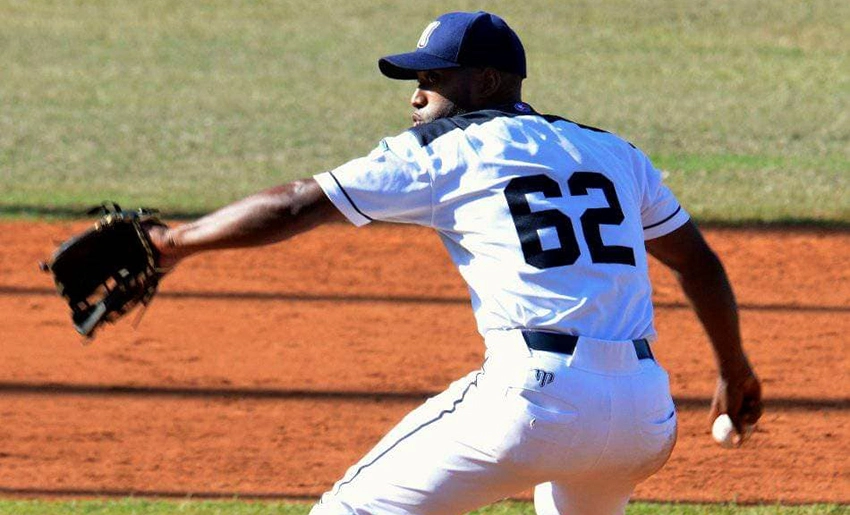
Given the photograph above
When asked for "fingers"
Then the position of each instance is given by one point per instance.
(718, 407)
(745, 416)
(752, 406)
(751, 411)
(718, 402)
(741, 400)
(725, 401)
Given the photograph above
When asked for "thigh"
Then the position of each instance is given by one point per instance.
(600, 496)
(430, 463)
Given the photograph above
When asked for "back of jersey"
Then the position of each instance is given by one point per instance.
(544, 218)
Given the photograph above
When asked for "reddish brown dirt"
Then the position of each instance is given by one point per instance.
(267, 372)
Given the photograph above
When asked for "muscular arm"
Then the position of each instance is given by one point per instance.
(266, 217)
(704, 281)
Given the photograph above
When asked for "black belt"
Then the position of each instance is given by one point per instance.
(566, 343)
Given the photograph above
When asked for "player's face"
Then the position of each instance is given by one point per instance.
(444, 93)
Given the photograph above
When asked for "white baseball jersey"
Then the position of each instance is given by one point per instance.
(544, 218)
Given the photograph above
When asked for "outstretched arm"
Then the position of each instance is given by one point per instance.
(704, 281)
(267, 217)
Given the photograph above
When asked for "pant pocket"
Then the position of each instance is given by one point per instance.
(655, 413)
(545, 418)
(657, 438)
(661, 422)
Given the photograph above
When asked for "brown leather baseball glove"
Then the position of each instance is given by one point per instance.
(107, 270)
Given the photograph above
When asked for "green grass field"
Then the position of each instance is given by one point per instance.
(745, 104)
(141, 507)
(185, 106)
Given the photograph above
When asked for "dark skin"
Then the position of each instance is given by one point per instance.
(446, 93)
(279, 213)
(704, 281)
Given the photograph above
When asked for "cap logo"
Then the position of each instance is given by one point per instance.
(426, 34)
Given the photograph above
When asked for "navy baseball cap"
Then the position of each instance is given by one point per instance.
(457, 39)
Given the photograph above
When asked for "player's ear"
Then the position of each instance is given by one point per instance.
(490, 82)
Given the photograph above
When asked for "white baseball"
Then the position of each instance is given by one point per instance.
(724, 432)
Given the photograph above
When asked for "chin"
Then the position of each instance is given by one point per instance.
(446, 112)
(422, 121)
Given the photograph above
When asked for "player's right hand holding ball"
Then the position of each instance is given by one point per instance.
(736, 408)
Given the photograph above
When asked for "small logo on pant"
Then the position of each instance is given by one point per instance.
(543, 377)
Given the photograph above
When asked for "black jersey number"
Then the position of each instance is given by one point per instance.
(527, 223)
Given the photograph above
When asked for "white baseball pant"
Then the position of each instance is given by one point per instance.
(583, 428)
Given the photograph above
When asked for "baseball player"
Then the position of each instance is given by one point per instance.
(549, 222)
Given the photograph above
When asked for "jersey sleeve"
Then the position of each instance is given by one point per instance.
(661, 212)
(389, 184)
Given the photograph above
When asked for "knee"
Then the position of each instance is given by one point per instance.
(331, 506)
(544, 500)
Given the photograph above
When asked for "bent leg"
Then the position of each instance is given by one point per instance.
(602, 497)
(432, 462)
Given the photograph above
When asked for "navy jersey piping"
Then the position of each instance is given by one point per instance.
(676, 212)
(427, 133)
(552, 119)
(349, 198)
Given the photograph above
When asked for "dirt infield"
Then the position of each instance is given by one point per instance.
(265, 373)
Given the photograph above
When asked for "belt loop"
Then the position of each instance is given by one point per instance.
(643, 350)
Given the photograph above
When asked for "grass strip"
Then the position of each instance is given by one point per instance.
(189, 105)
(235, 507)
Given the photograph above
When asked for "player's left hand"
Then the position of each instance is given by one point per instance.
(160, 238)
(107, 270)
(739, 396)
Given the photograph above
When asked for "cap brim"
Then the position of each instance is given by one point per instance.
(405, 66)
